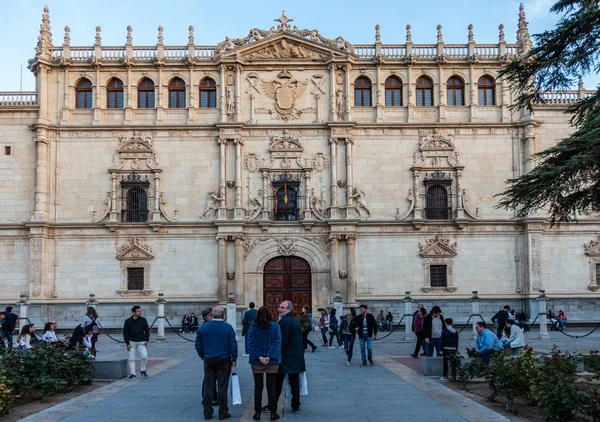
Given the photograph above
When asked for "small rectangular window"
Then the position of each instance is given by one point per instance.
(437, 276)
(7, 150)
(135, 278)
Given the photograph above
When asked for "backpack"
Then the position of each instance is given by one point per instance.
(92, 328)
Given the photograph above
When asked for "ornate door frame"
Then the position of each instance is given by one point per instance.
(287, 278)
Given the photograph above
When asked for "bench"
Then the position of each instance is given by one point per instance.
(110, 369)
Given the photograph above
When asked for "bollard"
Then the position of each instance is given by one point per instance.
(408, 333)
(542, 315)
(92, 301)
(474, 311)
(23, 305)
(160, 336)
(231, 311)
(338, 304)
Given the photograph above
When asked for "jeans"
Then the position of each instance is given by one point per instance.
(349, 345)
(139, 345)
(306, 342)
(271, 392)
(434, 343)
(216, 371)
(294, 387)
(368, 341)
(9, 339)
(448, 354)
(324, 336)
(334, 333)
(246, 346)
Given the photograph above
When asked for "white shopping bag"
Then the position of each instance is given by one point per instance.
(236, 395)
(303, 385)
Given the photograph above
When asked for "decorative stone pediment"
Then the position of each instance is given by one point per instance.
(436, 141)
(135, 153)
(286, 48)
(135, 250)
(593, 247)
(286, 143)
(438, 247)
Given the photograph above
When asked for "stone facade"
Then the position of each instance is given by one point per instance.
(280, 108)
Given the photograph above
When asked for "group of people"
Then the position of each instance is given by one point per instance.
(385, 322)
(557, 321)
(189, 323)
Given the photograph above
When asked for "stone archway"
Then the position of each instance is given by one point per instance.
(287, 278)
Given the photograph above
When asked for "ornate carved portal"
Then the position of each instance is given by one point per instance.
(287, 278)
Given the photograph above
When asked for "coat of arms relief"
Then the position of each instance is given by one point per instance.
(286, 90)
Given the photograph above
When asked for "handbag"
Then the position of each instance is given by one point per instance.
(303, 385)
(236, 395)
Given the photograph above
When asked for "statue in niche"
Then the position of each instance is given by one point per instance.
(213, 199)
(255, 208)
(361, 201)
(230, 102)
(339, 102)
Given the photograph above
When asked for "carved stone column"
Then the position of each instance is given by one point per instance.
(238, 111)
(192, 98)
(347, 113)
(41, 72)
(528, 148)
(128, 97)
(159, 96)
(351, 268)
(472, 96)
(410, 115)
(264, 214)
(418, 215)
(156, 210)
(335, 268)
(333, 168)
(113, 217)
(441, 97)
(97, 108)
(307, 210)
(40, 210)
(460, 212)
(222, 286)
(221, 213)
(349, 181)
(378, 96)
(332, 87)
(223, 82)
(238, 212)
(239, 268)
(65, 116)
(37, 262)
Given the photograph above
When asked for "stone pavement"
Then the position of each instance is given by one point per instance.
(389, 391)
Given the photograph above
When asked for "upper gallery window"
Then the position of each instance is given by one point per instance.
(424, 92)
(114, 91)
(362, 92)
(486, 87)
(83, 94)
(146, 94)
(456, 91)
(208, 93)
(176, 93)
(393, 92)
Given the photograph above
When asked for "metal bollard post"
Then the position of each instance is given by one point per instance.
(338, 304)
(231, 311)
(160, 337)
(474, 310)
(408, 333)
(23, 307)
(542, 316)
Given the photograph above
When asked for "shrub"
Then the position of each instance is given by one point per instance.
(6, 398)
(465, 372)
(590, 406)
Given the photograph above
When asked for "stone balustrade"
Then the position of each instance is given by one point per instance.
(12, 99)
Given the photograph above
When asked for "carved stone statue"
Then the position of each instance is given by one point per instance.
(255, 208)
(361, 201)
(213, 199)
(339, 102)
(230, 101)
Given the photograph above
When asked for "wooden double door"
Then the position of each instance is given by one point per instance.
(287, 278)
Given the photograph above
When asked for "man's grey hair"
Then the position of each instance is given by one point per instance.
(289, 305)
(218, 312)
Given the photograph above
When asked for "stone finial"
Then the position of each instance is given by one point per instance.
(160, 35)
(501, 33)
(45, 37)
(440, 37)
(408, 34)
(191, 35)
(470, 28)
(580, 83)
(522, 18)
(67, 39)
(377, 33)
(284, 21)
(98, 40)
(523, 39)
(129, 37)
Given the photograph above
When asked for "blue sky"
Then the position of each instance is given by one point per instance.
(354, 20)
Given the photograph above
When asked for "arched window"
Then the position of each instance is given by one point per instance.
(176, 93)
(114, 91)
(456, 91)
(83, 94)
(486, 88)
(424, 92)
(208, 93)
(362, 92)
(393, 92)
(436, 203)
(146, 94)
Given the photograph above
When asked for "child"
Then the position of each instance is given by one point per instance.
(449, 347)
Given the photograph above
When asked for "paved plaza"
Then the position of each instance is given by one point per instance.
(389, 391)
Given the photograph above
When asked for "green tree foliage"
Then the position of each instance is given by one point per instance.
(566, 179)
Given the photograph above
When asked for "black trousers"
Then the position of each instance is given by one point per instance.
(271, 392)
(420, 343)
(447, 355)
(216, 371)
(294, 386)
(305, 341)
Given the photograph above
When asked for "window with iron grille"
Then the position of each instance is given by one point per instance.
(438, 276)
(134, 208)
(286, 201)
(437, 206)
(135, 278)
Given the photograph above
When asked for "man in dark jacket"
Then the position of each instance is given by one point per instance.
(449, 347)
(217, 347)
(136, 335)
(11, 322)
(500, 319)
(433, 326)
(365, 326)
(249, 317)
(292, 353)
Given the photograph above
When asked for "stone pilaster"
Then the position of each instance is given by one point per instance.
(239, 268)
(222, 286)
(333, 169)
(221, 213)
(334, 259)
(238, 211)
(351, 268)
(40, 210)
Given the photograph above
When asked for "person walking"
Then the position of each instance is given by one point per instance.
(500, 319)
(348, 334)
(324, 326)
(264, 348)
(433, 325)
(306, 322)
(217, 347)
(333, 330)
(415, 316)
(206, 317)
(11, 323)
(418, 329)
(365, 326)
(136, 335)
(292, 358)
(90, 326)
(247, 320)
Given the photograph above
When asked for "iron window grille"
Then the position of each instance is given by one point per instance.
(437, 196)
(134, 198)
(135, 278)
(438, 275)
(287, 198)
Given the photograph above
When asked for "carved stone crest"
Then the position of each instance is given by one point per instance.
(285, 90)
(436, 141)
(286, 246)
